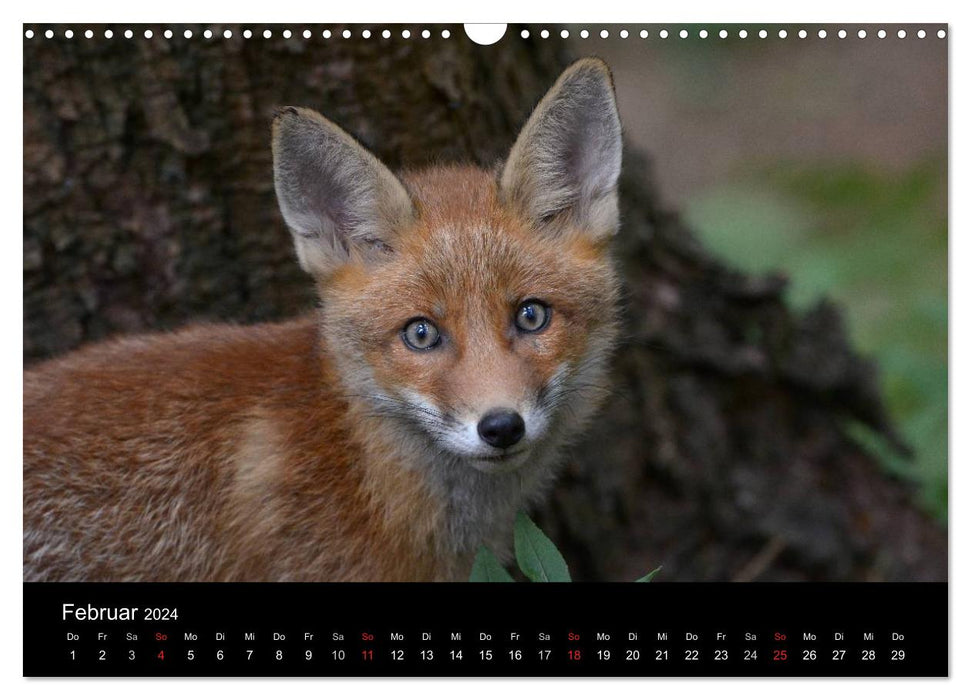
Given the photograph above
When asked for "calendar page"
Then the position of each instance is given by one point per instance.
(485, 350)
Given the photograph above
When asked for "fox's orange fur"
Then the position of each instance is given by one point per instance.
(326, 448)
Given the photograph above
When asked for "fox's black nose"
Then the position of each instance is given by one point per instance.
(502, 428)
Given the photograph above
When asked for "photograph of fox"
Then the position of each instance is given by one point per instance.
(534, 295)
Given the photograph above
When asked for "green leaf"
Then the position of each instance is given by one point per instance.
(648, 577)
(487, 569)
(536, 555)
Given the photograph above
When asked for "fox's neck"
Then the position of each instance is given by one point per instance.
(472, 508)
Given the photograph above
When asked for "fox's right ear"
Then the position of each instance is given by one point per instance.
(339, 201)
(565, 163)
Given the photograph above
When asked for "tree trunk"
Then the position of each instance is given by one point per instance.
(148, 202)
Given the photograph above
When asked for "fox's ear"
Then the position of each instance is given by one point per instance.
(339, 201)
(565, 163)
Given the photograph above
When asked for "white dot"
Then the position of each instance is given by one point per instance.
(49, 34)
(227, 34)
(366, 33)
(386, 33)
(703, 33)
(803, 33)
(902, 34)
(723, 34)
(446, 34)
(882, 34)
(88, 34)
(861, 33)
(69, 33)
(763, 34)
(326, 34)
(406, 34)
(663, 34)
(129, 33)
(683, 34)
(783, 33)
(565, 34)
(941, 33)
(287, 34)
(346, 33)
(306, 33)
(187, 33)
(109, 33)
(524, 34)
(545, 33)
(624, 34)
(604, 34)
(841, 33)
(584, 33)
(207, 34)
(167, 33)
(921, 34)
(644, 34)
(821, 34)
(742, 34)
(148, 34)
(267, 34)
(29, 34)
(247, 34)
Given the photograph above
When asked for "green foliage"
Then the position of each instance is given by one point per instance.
(647, 578)
(876, 243)
(537, 556)
(487, 569)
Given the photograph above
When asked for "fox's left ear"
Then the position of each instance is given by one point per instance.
(565, 163)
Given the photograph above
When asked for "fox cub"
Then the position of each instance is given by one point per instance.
(461, 342)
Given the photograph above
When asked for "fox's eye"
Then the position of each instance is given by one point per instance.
(421, 334)
(532, 316)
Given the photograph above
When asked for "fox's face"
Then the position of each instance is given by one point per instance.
(475, 309)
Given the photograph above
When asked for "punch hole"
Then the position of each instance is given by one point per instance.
(109, 33)
(88, 34)
(624, 34)
(485, 34)
(742, 34)
(644, 34)
(941, 33)
(29, 34)
(167, 33)
(921, 34)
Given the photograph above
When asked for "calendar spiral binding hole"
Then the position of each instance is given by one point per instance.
(409, 33)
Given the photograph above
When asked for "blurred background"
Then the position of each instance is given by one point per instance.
(823, 159)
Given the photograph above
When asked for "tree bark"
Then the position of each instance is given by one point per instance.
(724, 453)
